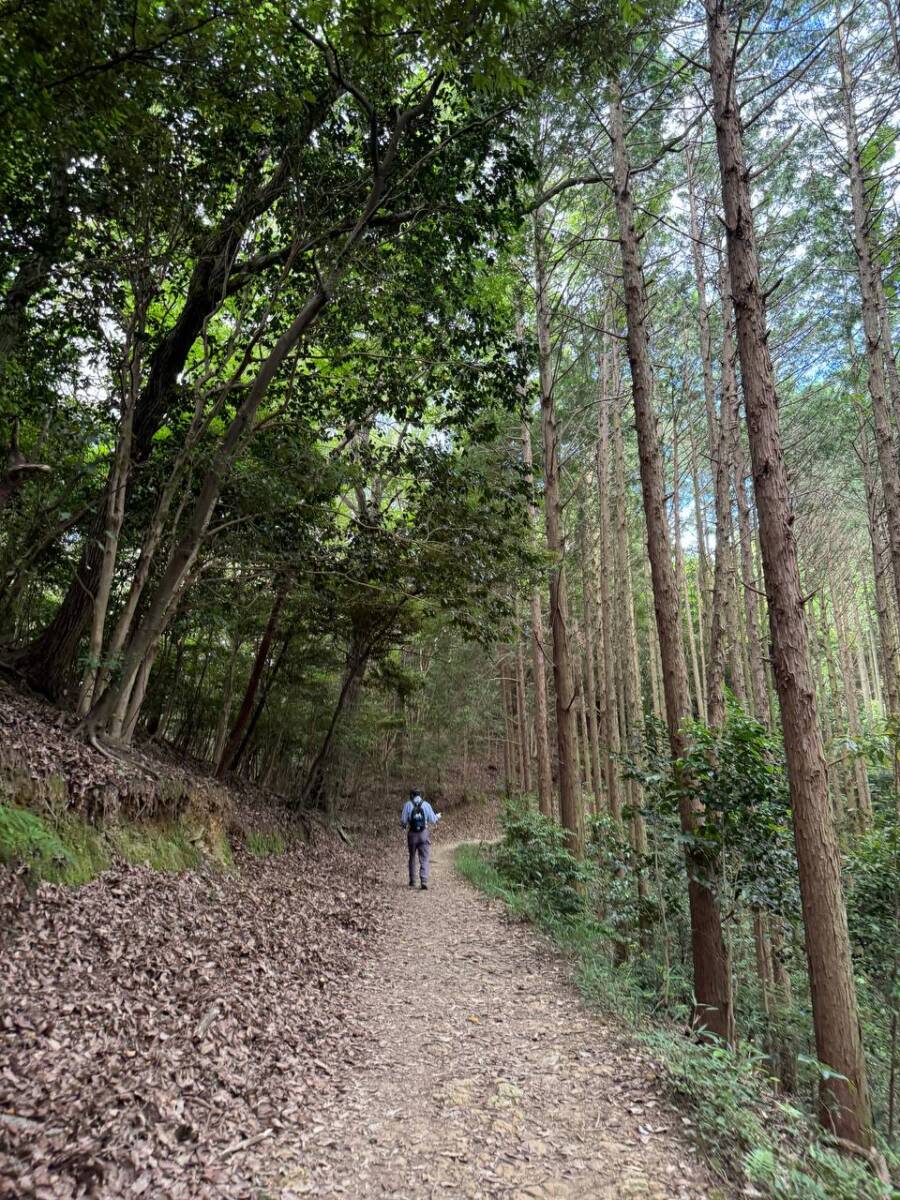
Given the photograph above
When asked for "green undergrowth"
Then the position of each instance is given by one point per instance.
(750, 1135)
(67, 849)
(265, 845)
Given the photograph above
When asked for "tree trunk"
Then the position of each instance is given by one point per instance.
(226, 760)
(871, 317)
(522, 709)
(881, 570)
(590, 661)
(316, 790)
(722, 620)
(509, 751)
(844, 1102)
(48, 662)
(681, 579)
(607, 575)
(538, 672)
(854, 726)
(711, 975)
(225, 706)
(184, 554)
(703, 590)
(566, 699)
(271, 676)
(759, 688)
(115, 510)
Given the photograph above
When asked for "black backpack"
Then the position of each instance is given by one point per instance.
(417, 817)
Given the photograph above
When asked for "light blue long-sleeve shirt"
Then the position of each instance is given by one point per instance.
(427, 811)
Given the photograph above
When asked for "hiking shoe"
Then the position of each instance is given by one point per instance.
(411, 884)
(424, 887)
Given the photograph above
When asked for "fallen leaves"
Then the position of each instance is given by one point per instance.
(160, 1035)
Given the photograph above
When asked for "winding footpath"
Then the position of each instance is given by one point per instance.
(483, 1075)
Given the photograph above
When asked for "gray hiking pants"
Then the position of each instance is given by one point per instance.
(418, 843)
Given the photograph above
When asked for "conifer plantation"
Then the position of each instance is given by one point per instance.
(491, 399)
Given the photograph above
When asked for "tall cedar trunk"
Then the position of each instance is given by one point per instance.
(722, 450)
(759, 688)
(538, 671)
(566, 700)
(833, 713)
(868, 632)
(862, 662)
(681, 579)
(522, 709)
(881, 570)
(887, 340)
(256, 672)
(711, 975)
(871, 317)
(590, 661)
(584, 748)
(632, 714)
(611, 717)
(703, 590)
(656, 688)
(706, 359)
(844, 1100)
(854, 726)
(632, 707)
(508, 781)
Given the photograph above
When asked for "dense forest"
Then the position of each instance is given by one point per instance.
(490, 396)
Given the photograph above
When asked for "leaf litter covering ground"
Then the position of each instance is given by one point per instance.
(278, 1032)
(164, 1035)
(483, 1076)
(42, 757)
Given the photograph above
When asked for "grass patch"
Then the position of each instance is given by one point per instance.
(158, 847)
(749, 1135)
(265, 845)
(70, 850)
(66, 851)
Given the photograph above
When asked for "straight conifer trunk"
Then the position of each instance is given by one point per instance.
(844, 1101)
(870, 289)
(719, 623)
(611, 718)
(590, 663)
(563, 678)
(538, 671)
(522, 710)
(883, 594)
(711, 974)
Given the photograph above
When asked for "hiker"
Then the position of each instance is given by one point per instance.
(417, 815)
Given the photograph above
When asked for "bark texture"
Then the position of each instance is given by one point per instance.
(711, 974)
(538, 669)
(563, 677)
(844, 1103)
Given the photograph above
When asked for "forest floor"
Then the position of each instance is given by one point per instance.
(483, 1075)
(305, 1025)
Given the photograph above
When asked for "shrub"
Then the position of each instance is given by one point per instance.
(533, 856)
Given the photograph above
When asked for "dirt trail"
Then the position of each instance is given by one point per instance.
(484, 1076)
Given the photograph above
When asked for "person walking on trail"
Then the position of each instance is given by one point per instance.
(416, 818)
